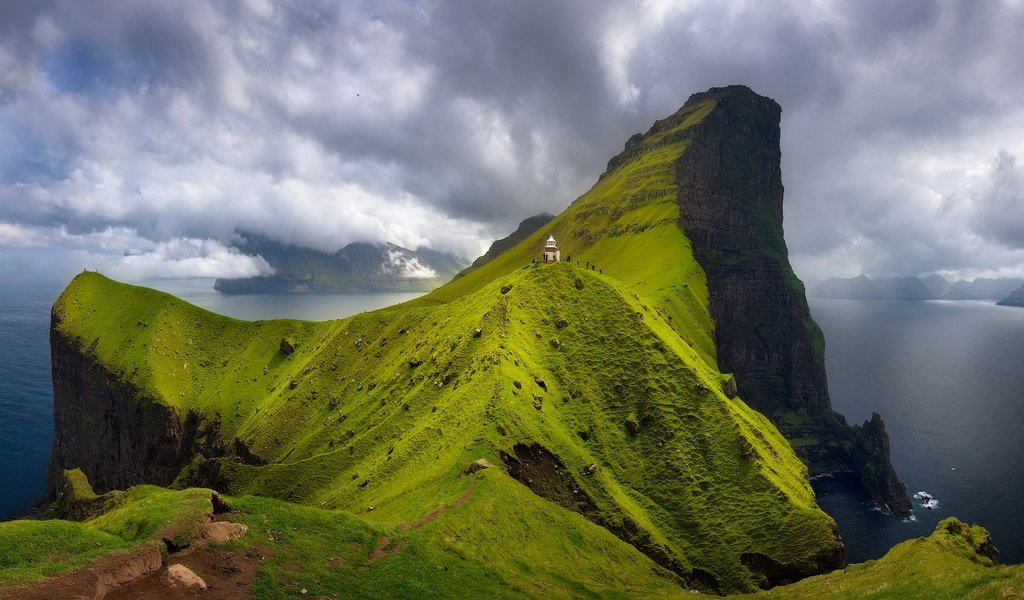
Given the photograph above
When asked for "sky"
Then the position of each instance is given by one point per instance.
(143, 137)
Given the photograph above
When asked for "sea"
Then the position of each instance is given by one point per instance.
(947, 377)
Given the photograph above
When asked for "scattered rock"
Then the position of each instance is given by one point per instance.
(632, 427)
(561, 323)
(540, 383)
(555, 343)
(293, 384)
(478, 465)
(180, 576)
(414, 362)
(287, 345)
(590, 470)
(477, 332)
(506, 289)
(220, 532)
(729, 387)
(579, 283)
(518, 384)
(538, 401)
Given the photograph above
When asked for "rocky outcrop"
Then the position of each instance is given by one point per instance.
(870, 459)
(730, 204)
(114, 432)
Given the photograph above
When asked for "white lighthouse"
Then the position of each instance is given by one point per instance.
(551, 253)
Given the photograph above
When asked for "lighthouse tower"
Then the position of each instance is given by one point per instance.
(551, 253)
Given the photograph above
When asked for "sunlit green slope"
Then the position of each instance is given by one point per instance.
(386, 409)
(627, 227)
(444, 554)
(953, 563)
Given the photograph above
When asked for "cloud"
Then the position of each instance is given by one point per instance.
(189, 258)
(997, 200)
(444, 123)
(18, 236)
(406, 266)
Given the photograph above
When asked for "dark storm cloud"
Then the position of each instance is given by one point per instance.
(164, 128)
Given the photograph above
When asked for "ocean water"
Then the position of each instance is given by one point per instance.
(26, 396)
(26, 393)
(948, 379)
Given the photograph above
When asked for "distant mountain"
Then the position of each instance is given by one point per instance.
(937, 285)
(915, 288)
(904, 288)
(990, 289)
(853, 288)
(1016, 298)
(526, 228)
(358, 267)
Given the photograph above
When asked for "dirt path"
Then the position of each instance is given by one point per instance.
(229, 575)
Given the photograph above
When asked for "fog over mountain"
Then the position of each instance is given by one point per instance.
(141, 137)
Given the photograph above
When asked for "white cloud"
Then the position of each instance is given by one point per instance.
(18, 236)
(189, 258)
(404, 265)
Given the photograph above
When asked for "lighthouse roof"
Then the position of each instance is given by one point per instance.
(551, 241)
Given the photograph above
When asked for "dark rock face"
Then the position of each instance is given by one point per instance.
(112, 431)
(730, 203)
(870, 449)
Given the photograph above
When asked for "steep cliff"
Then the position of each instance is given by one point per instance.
(730, 207)
(116, 433)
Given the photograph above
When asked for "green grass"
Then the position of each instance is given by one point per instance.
(145, 511)
(347, 408)
(450, 556)
(943, 566)
(36, 549)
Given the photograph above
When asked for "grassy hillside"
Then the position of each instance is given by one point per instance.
(626, 225)
(446, 554)
(386, 409)
(953, 563)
